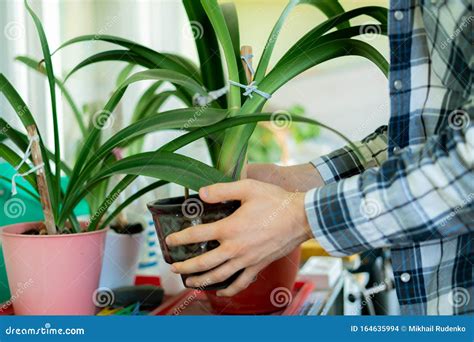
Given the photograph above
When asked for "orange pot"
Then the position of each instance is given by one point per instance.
(271, 292)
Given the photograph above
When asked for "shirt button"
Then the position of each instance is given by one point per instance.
(398, 85)
(396, 149)
(405, 277)
(434, 2)
(398, 15)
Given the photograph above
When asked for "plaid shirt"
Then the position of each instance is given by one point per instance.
(414, 190)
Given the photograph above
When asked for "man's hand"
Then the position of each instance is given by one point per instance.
(270, 223)
(301, 177)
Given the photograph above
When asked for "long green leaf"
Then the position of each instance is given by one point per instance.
(207, 47)
(35, 65)
(24, 114)
(56, 196)
(215, 15)
(14, 160)
(171, 167)
(123, 205)
(124, 56)
(236, 140)
(159, 60)
(329, 8)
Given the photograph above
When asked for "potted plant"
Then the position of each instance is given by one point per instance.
(226, 122)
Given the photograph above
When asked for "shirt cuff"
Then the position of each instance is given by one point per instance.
(311, 208)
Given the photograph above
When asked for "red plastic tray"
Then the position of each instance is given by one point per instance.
(190, 302)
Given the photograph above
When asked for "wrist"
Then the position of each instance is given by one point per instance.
(303, 230)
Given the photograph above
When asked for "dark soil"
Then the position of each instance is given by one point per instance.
(133, 228)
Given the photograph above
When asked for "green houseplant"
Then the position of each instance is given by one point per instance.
(226, 122)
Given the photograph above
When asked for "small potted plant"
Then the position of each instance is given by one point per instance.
(226, 122)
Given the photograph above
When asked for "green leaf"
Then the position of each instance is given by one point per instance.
(124, 56)
(171, 167)
(24, 114)
(14, 160)
(35, 65)
(329, 8)
(207, 47)
(244, 119)
(124, 74)
(215, 15)
(56, 196)
(109, 200)
(159, 60)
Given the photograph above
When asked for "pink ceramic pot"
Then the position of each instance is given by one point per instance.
(52, 274)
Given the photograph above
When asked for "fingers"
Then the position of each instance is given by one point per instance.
(243, 281)
(217, 275)
(227, 191)
(202, 263)
(200, 233)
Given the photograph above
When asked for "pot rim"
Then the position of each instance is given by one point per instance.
(177, 202)
(4, 233)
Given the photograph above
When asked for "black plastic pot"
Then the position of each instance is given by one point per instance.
(172, 215)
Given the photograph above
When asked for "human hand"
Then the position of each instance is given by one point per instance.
(291, 178)
(269, 224)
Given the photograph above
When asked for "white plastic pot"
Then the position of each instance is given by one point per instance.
(122, 252)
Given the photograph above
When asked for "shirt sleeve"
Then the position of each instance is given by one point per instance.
(417, 195)
(345, 162)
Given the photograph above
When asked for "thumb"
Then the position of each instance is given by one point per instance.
(221, 192)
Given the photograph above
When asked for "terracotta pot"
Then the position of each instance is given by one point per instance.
(271, 292)
(52, 274)
(175, 214)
